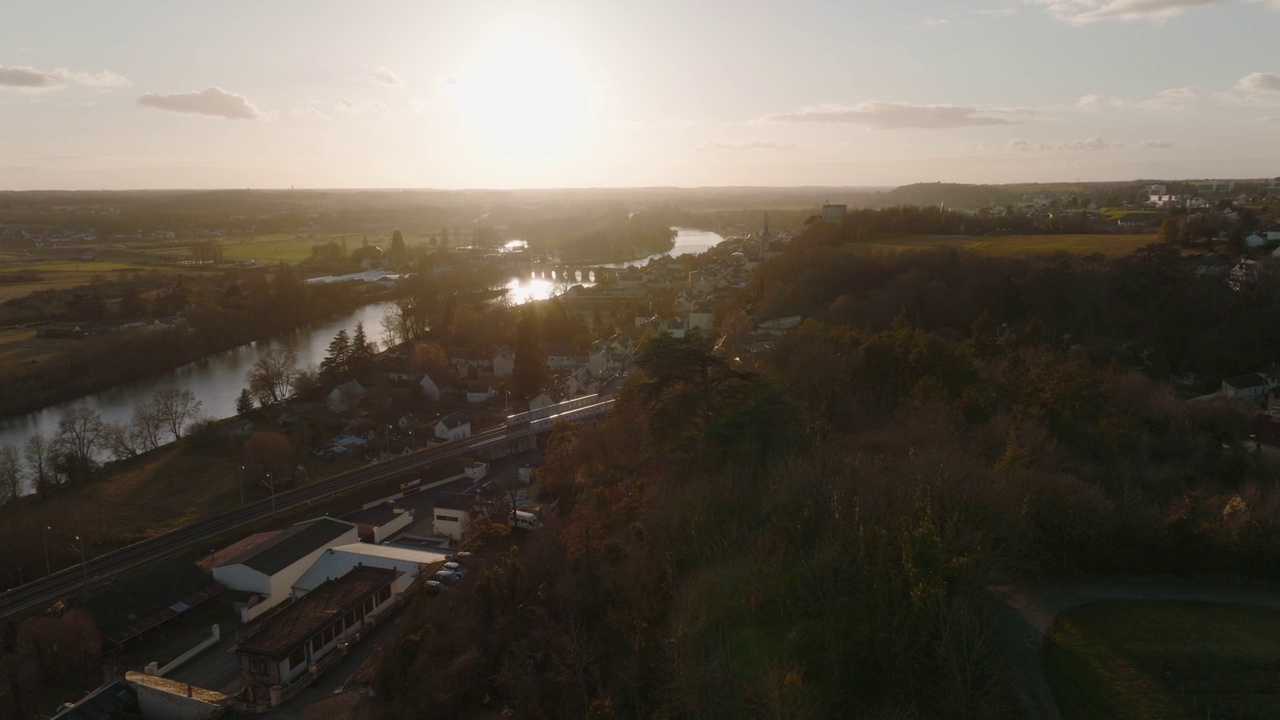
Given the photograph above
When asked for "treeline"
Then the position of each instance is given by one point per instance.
(605, 235)
(1152, 310)
(217, 316)
(870, 224)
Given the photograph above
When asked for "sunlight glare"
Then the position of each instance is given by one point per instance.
(524, 97)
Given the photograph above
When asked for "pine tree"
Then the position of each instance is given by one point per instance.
(361, 352)
(244, 403)
(337, 361)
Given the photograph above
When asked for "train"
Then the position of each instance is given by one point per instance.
(544, 413)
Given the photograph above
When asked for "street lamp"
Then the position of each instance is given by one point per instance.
(240, 477)
(271, 483)
(84, 570)
(412, 442)
(45, 536)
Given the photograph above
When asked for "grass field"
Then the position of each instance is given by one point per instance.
(57, 272)
(285, 247)
(1015, 245)
(1165, 659)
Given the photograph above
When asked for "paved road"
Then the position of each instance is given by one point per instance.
(1026, 615)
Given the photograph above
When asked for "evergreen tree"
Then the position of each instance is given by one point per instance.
(529, 373)
(244, 403)
(361, 352)
(337, 361)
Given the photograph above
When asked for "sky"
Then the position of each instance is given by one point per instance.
(584, 93)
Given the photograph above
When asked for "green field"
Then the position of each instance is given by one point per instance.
(281, 247)
(1015, 245)
(1150, 660)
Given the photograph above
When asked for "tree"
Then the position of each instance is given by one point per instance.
(397, 246)
(272, 376)
(335, 362)
(244, 403)
(529, 371)
(38, 452)
(79, 437)
(176, 407)
(132, 303)
(122, 440)
(268, 453)
(10, 474)
(361, 352)
(148, 424)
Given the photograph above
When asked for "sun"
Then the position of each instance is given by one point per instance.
(524, 96)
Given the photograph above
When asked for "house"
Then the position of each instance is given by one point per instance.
(338, 561)
(429, 387)
(543, 400)
(268, 570)
(1273, 233)
(504, 362)
(451, 516)
(1252, 385)
(346, 396)
(297, 644)
(381, 521)
(702, 318)
(560, 356)
(454, 426)
(480, 392)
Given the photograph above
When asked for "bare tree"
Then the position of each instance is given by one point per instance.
(122, 440)
(175, 408)
(148, 424)
(10, 474)
(38, 453)
(272, 376)
(79, 436)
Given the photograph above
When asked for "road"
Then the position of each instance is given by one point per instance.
(46, 590)
(1026, 615)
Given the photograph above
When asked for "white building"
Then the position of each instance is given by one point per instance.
(338, 561)
(346, 396)
(269, 569)
(504, 362)
(429, 387)
(454, 426)
(451, 516)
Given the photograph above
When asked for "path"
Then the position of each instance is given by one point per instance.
(1026, 615)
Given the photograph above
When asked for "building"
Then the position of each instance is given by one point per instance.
(451, 516)
(504, 362)
(302, 640)
(379, 522)
(834, 213)
(560, 356)
(1252, 385)
(336, 562)
(346, 396)
(429, 387)
(268, 570)
(454, 426)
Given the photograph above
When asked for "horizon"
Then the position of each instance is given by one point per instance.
(569, 94)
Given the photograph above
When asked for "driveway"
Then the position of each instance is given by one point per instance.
(1026, 615)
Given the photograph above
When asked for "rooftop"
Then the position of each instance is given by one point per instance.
(299, 621)
(291, 545)
(453, 501)
(379, 514)
(1242, 381)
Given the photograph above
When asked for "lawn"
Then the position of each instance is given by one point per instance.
(1016, 245)
(1165, 659)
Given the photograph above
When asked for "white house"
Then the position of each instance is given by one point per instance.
(429, 387)
(346, 396)
(480, 393)
(450, 516)
(559, 356)
(454, 426)
(504, 362)
(269, 569)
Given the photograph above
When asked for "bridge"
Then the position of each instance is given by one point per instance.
(494, 442)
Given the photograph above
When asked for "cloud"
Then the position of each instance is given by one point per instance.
(1088, 144)
(1260, 88)
(1157, 144)
(756, 145)
(211, 102)
(29, 78)
(1170, 99)
(933, 21)
(354, 108)
(898, 115)
(1082, 12)
(386, 78)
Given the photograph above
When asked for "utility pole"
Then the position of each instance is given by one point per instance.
(271, 483)
(240, 477)
(84, 569)
(45, 536)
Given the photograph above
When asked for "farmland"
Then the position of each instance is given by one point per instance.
(1124, 660)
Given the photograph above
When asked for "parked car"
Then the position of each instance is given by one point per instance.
(453, 566)
(434, 587)
(459, 556)
(446, 577)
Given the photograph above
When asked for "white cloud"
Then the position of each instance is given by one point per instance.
(1260, 88)
(898, 115)
(1156, 144)
(386, 78)
(1170, 99)
(29, 78)
(1093, 143)
(1081, 12)
(360, 108)
(211, 102)
(933, 21)
(756, 145)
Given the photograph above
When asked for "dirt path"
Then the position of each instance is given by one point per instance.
(1026, 615)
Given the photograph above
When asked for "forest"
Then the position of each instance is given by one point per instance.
(811, 531)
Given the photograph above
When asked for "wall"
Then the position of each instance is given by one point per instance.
(398, 523)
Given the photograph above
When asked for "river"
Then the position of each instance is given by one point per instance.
(216, 380)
